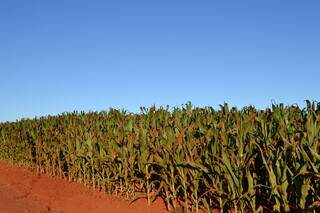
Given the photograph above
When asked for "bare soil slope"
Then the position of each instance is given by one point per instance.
(22, 191)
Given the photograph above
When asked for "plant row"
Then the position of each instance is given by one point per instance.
(244, 160)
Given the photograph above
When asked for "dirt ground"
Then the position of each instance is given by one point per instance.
(22, 191)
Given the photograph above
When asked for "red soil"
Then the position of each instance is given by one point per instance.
(22, 191)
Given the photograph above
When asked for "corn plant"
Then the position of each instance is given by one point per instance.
(195, 159)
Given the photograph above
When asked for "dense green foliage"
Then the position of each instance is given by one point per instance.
(248, 160)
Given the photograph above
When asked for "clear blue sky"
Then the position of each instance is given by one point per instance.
(66, 55)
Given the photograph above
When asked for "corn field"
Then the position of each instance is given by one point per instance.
(196, 159)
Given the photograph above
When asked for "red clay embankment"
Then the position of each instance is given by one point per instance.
(22, 191)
